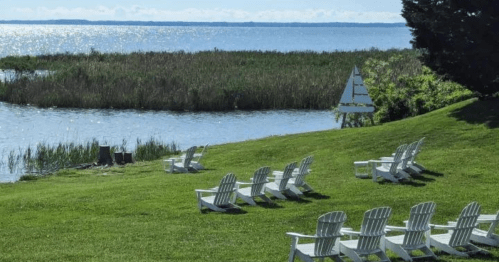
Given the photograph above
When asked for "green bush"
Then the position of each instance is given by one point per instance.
(397, 96)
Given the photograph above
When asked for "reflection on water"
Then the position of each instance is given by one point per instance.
(51, 39)
(23, 126)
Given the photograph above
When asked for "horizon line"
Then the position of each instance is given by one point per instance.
(186, 23)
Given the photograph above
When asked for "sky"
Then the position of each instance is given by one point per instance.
(312, 11)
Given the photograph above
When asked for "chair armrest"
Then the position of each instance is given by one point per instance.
(382, 161)
(243, 183)
(349, 232)
(444, 227)
(395, 228)
(199, 192)
(293, 234)
(277, 172)
(206, 190)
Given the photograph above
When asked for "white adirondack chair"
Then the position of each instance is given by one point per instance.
(196, 158)
(416, 233)
(487, 237)
(412, 165)
(256, 187)
(219, 198)
(370, 238)
(459, 232)
(403, 171)
(182, 165)
(325, 239)
(388, 169)
(298, 179)
(279, 187)
(304, 166)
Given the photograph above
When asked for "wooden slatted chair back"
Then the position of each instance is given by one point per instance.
(465, 225)
(225, 190)
(189, 154)
(259, 180)
(373, 229)
(417, 149)
(328, 231)
(397, 159)
(419, 223)
(286, 175)
(305, 164)
(203, 152)
(408, 154)
(303, 170)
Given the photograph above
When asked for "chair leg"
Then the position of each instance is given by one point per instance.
(427, 251)
(247, 199)
(447, 249)
(295, 190)
(266, 199)
(397, 249)
(294, 242)
(351, 254)
(382, 256)
(307, 188)
(337, 258)
(276, 194)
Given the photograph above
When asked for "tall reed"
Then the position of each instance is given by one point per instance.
(207, 81)
(46, 159)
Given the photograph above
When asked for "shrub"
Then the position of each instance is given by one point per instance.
(399, 96)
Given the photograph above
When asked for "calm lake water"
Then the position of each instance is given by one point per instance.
(23, 126)
(50, 39)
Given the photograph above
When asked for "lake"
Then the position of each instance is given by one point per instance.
(23, 126)
(50, 39)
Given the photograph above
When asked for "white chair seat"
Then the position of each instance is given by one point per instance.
(442, 238)
(352, 244)
(399, 240)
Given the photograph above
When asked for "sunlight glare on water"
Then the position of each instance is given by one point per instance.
(53, 39)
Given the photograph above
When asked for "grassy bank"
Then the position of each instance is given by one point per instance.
(214, 80)
(140, 213)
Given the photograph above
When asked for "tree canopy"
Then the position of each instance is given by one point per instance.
(459, 39)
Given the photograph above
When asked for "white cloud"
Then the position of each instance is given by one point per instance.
(140, 13)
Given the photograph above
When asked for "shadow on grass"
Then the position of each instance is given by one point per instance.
(295, 199)
(432, 173)
(423, 178)
(482, 255)
(479, 112)
(269, 205)
(405, 183)
(262, 204)
(230, 211)
(316, 195)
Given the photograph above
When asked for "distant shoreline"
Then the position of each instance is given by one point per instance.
(206, 24)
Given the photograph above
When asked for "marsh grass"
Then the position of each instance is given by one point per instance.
(154, 149)
(207, 81)
(46, 159)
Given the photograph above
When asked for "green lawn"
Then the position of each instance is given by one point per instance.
(141, 213)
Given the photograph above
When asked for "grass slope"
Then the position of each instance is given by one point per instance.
(139, 213)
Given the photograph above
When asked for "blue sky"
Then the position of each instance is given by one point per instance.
(384, 11)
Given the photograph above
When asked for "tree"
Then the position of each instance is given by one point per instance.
(459, 40)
